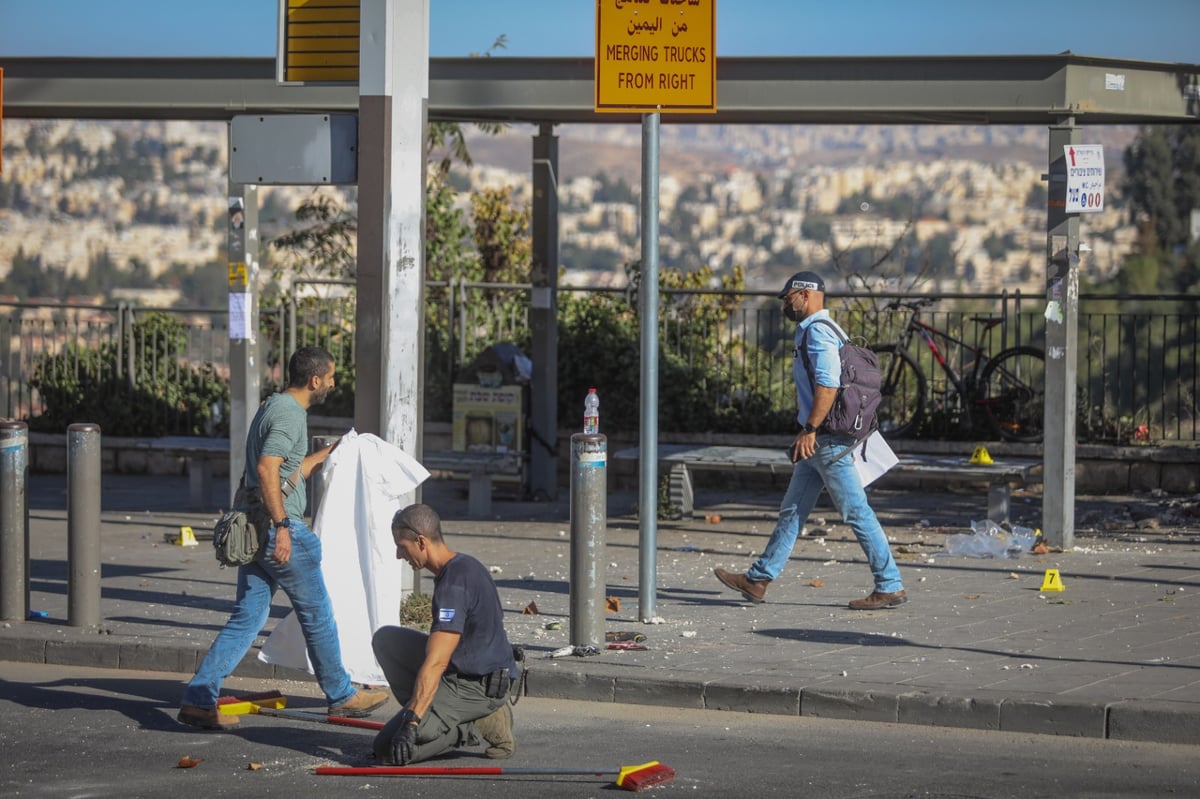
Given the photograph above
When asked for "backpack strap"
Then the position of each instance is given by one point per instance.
(812, 378)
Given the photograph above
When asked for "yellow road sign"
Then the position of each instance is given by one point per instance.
(656, 56)
(318, 41)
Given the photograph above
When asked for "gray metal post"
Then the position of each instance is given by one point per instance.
(83, 524)
(543, 318)
(319, 481)
(245, 370)
(589, 518)
(14, 521)
(1062, 349)
(648, 442)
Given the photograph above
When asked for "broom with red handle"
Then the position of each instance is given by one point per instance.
(631, 778)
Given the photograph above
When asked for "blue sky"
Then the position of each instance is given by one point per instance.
(1154, 30)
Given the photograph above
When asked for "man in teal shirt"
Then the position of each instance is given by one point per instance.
(277, 446)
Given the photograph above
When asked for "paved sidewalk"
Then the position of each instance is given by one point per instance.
(1116, 654)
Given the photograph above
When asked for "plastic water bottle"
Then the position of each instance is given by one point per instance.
(591, 413)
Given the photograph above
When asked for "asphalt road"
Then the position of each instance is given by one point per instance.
(77, 732)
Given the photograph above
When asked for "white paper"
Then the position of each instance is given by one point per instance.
(874, 458)
(239, 317)
(367, 478)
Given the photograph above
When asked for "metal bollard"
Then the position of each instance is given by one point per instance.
(589, 517)
(319, 482)
(14, 521)
(83, 524)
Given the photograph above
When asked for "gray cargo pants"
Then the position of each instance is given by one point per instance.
(458, 702)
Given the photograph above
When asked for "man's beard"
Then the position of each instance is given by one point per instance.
(318, 397)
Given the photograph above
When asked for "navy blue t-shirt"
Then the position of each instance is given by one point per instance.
(465, 601)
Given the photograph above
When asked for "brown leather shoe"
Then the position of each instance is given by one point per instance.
(753, 590)
(206, 718)
(497, 729)
(878, 601)
(363, 703)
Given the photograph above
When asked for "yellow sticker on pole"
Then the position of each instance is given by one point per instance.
(238, 277)
(656, 57)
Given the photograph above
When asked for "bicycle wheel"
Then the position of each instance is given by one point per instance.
(903, 391)
(1012, 392)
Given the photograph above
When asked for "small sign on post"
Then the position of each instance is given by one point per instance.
(318, 42)
(656, 57)
(1085, 178)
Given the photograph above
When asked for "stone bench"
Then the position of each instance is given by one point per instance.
(198, 454)
(478, 469)
(684, 458)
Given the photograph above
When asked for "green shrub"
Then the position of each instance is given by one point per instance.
(164, 394)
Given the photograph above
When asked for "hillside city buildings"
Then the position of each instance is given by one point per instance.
(967, 203)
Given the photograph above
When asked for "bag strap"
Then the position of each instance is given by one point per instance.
(289, 484)
(846, 451)
(812, 378)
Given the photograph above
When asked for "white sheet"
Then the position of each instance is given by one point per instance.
(878, 458)
(367, 481)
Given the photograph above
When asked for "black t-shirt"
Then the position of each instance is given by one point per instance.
(465, 601)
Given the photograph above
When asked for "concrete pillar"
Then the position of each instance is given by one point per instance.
(393, 112)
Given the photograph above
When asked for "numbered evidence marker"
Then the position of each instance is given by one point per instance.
(1052, 581)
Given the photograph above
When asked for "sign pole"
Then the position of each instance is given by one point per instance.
(1062, 336)
(651, 59)
(245, 381)
(648, 439)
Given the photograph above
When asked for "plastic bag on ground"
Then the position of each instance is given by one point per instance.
(989, 540)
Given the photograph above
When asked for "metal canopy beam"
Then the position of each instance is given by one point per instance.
(867, 90)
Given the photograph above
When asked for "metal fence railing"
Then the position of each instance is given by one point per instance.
(1138, 375)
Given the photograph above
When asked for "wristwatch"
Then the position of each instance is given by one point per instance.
(281, 523)
(809, 428)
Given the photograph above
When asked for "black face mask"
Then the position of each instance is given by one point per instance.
(791, 313)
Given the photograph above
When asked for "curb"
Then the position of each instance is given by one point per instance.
(1141, 720)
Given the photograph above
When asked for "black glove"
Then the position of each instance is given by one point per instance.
(405, 739)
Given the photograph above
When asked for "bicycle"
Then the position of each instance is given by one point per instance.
(1007, 389)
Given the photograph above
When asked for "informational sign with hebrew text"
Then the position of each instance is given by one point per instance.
(1085, 178)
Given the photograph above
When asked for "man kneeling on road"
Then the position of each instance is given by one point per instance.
(454, 681)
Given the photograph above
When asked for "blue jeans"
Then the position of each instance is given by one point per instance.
(301, 579)
(849, 497)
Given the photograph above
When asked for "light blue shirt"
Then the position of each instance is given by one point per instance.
(823, 347)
